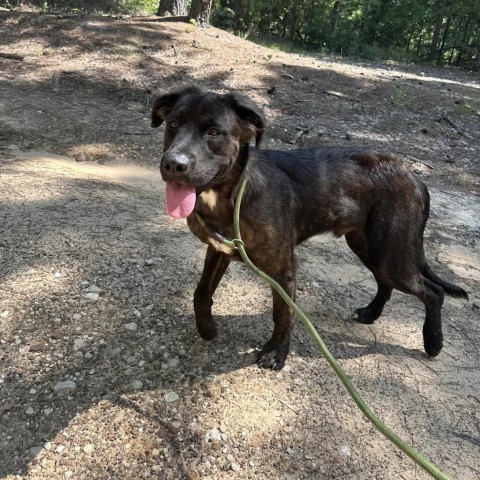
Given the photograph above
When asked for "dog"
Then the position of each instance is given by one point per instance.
(370, 198)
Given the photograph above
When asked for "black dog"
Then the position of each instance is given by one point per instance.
(370, 198)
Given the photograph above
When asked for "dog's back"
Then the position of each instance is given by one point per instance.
(337, 190)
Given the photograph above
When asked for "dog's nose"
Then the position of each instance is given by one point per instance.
(175, 165)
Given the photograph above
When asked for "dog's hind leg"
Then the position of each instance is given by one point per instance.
(432, 296)
(432, 328)
(216, 263)
(357, 242)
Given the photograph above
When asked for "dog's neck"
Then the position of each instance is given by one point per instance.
(216, 204)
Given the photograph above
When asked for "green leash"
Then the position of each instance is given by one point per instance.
(237, 243)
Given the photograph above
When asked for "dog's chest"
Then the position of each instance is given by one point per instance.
(218, 215)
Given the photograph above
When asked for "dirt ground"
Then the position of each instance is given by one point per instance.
(102, 374)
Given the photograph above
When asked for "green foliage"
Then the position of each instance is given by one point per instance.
(133, 7)
(139, 6)
(467, 107)
(224, 18)
(442, 31)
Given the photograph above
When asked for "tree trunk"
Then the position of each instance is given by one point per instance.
(478, 52)
(200, 12)
(171, 7)
(444, 38)
(334, 17)
(239, 21)
(293, 18)
(432, 55)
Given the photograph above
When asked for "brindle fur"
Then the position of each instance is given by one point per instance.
(370, 198)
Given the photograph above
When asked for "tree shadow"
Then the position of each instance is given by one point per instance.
(102, 234)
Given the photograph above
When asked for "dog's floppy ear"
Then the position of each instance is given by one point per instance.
(164, 104)
(249, 113)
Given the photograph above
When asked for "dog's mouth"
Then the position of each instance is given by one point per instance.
(181, 198)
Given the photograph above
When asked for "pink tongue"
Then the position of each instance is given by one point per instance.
(180, 200)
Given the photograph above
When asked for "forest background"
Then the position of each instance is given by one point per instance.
(433, 31)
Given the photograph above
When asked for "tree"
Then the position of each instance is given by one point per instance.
(171, 7)
(442, 10)
(200, 12)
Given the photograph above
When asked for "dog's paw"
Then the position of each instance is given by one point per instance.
(433, 344)
(365, 316)
(272, 356)
(207, 329)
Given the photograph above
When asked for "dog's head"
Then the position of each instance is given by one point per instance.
(203, 134)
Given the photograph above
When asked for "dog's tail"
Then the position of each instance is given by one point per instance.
(449, 288)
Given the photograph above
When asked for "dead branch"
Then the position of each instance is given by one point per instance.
(339, 95)
(455, 126)
(299, 135)
(415, 159)
(12, 56)
(285, 74)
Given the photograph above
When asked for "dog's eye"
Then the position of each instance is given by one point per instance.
(213, 132)
(174, 125)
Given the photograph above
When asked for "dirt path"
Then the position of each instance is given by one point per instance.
(69, 227)
(102, 374)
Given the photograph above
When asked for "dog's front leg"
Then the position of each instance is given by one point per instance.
(215, 265)
(275, 351)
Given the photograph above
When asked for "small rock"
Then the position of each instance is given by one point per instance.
(137, 313)
(93, 289)
(88, 448)
(216, 445)
(47, 445)
(32, 391)
(193, 475)
(173, 362)
(83, 157)
(47, 411)
(36, 345)
(79, 344)
(137, 384)
(76, 316)
(60, 449)
(176, 425)
(34, 451)
(29, 411)
(222, 428)
(212, 390)
(476, 304)
(149, 262)
(92, 296)
(345, 450)
(65, 386)
(213, 435)
(132, 326)
(235, 467)
(88, 355)
(171, 397)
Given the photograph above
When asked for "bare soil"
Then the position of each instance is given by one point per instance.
(102, 374)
